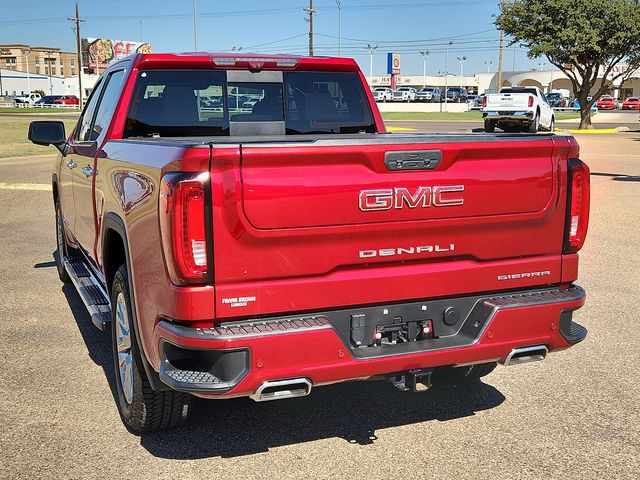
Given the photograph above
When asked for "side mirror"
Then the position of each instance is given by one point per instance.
(46, 132)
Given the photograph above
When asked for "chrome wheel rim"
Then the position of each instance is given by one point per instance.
(123, 345)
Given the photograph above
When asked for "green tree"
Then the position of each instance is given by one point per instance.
(583, 38)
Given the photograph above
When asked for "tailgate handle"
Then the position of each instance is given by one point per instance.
(413, 160)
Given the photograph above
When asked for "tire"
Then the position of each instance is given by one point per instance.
(141, 408)
(61, 247)
(489, 126)
(446, 376)
(535, 124)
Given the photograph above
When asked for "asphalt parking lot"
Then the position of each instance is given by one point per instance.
(575, 415)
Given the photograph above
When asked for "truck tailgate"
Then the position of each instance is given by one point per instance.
(508, 100)
(328, 223)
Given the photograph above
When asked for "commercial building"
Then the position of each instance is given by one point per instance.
(36, 60)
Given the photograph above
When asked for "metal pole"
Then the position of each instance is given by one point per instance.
(425, 54)
(49, 71)
(339, 28)
(79, 57)
(446, 75)
(371, 48)
(461, 60)
(27, 52)
(195, 26)
(499, 86)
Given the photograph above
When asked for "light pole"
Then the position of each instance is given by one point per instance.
(49, 53)
(371, 49)
(425, 54)
(195, 26)
(339, 27)
(461, 60)
(446, 74)
(27, 52)
(488, 64)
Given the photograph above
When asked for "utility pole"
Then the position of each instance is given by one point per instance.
(499, 86)
(339, 27)
(195, 27)
(310, 11)
(371, 49)
(76, 28)
(425, 54)
(446, 74)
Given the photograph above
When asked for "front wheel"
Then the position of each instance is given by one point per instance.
(61, 246)
(142, 409)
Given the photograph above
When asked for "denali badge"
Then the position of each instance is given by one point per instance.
(400, 197)
(390, 252)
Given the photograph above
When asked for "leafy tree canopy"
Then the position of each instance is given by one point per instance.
(581, 37)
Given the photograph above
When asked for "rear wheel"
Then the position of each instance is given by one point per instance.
(489, 126)
(61, 246)
(535, 124)
(444, 376)
(142, 409)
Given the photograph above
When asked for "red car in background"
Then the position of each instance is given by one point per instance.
(631, 103)
(67, 100)
(607, 102)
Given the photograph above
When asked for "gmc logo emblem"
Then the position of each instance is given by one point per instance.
(400, 197)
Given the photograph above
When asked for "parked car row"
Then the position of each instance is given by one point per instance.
(38, 100)
(425, 94)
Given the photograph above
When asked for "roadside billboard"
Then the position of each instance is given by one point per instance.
(103, 51)
(393, 63)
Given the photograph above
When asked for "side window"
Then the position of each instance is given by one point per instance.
(107, 105)
(84, 125)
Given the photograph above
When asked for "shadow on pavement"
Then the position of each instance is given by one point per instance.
(353, 411)
(618, 177)
(98, 343)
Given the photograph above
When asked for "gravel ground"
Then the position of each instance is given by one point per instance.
(574, 415)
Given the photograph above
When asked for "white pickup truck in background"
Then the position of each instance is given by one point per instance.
(518, 108)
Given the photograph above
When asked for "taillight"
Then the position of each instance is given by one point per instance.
(484, 101)
(183, 226)
(578, 205)
(530, 101)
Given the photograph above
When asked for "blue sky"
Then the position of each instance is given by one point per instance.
(279, 26)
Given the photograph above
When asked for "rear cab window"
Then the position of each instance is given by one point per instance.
(168, 103)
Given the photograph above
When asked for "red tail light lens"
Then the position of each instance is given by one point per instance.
(183, 226)
(578, 203)
(484, 101)
(530, 101)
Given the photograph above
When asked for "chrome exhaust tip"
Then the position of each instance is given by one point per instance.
(525, 355)
(281, 389)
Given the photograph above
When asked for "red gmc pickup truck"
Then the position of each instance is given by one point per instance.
(245, 226)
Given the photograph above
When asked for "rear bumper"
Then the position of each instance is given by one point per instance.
(242, 356)
(511, 116)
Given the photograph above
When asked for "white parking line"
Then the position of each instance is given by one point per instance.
(25, 186)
